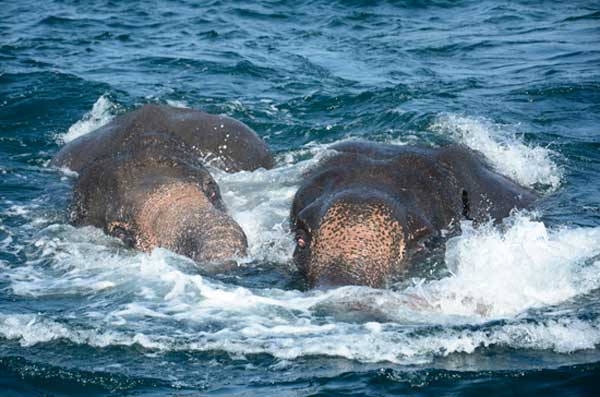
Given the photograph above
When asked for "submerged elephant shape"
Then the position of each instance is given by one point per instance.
(360, 214)
(143, 178)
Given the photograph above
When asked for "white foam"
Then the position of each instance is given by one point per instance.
(260, 202)
(362, 342)
(102, 112)
(18, 210)
(528, 165)
(502, 273)
(494, 274)
(177, 104)
(67, 173)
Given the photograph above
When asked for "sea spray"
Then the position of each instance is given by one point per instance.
(102, 112)
(529, 165)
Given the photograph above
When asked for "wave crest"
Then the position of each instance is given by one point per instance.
(532, 166)
(102, 112)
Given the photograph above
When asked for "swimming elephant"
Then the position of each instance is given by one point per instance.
(143, 178)
(360, 214)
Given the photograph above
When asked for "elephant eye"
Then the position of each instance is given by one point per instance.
(123, 233)
(212, 192)
(301, 238)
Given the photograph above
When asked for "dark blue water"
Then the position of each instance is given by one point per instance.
(510, 310)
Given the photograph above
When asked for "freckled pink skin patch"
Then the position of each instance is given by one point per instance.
(363, 244)
(174, 211)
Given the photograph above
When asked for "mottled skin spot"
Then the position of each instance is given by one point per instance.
(361, 214)
(170, 218)
(142, 178)
(357, 243)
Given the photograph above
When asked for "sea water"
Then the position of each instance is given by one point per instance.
(507, 310)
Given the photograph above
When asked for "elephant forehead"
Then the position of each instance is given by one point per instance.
(358, 231)
(165, 209)
(174, 196)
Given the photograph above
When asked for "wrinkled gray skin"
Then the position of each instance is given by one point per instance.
(361, 214)
(142, 178)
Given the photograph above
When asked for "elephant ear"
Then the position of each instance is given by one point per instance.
(485, 194)
(466, 204)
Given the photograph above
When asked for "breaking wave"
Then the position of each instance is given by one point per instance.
(531, 166)
(102, 112)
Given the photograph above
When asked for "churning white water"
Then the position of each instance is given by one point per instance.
(528, 165)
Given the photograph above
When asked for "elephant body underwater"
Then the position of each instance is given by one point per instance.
(143, 178)
(361, 213)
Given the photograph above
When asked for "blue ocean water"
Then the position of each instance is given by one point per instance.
(510, 310)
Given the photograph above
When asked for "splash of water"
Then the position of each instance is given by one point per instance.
(177, 104)
(529, 165)
(496, 273)
(102, 112)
